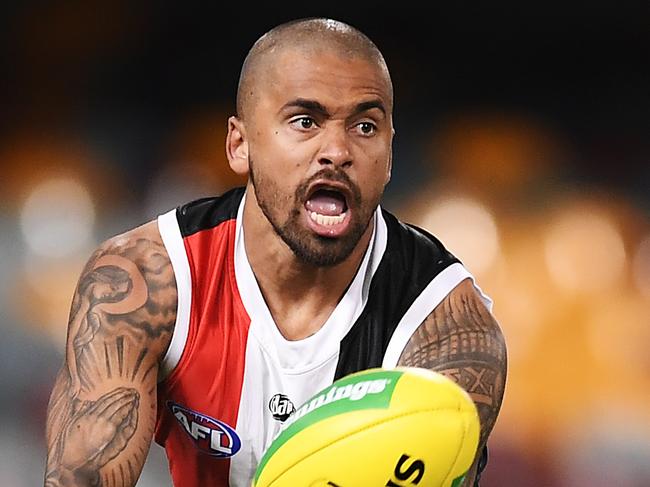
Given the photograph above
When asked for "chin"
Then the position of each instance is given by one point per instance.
(322, 251)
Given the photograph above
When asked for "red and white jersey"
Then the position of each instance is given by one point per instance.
(230, 379)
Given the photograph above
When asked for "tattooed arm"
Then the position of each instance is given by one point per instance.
(102, 408)
(462, 340)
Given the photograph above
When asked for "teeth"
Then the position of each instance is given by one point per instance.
(327, 219)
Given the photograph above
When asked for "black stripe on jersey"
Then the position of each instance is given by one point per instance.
(207, 213)
(412, 259)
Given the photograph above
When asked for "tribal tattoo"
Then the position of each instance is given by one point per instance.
(462, 340)
(102, 408)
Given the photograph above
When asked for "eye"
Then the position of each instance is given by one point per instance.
(366, 128)
(303, 123)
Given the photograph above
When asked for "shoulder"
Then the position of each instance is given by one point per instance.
(206, 213)
(143, 247)
(415, 250)
(461, 321)
(136, 243)
(414, 241)
(462, 339)
(412, 259)
(130, 280)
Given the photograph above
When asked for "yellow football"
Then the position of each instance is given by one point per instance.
(380, 427)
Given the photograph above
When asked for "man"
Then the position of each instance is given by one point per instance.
(208, 326)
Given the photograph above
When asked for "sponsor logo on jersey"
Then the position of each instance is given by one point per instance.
(281, 407)
(210, 435)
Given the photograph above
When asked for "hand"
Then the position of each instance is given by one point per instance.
(100, 430)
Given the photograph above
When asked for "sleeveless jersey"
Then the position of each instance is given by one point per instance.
(229, 378)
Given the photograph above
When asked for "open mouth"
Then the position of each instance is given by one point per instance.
(327, 205)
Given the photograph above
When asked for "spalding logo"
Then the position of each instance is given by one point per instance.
(401, 475)
(353, 392)
(281, 407)
(210, 435)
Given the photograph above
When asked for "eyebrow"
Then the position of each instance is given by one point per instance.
(369, 105)
(309, 105)
(316, 107)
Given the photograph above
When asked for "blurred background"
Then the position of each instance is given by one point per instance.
(522, 142)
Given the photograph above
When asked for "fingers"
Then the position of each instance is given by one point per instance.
(106, 406)
(115, 406)
(111, 422)
(125, 421)
(132, 422)
(124, 433)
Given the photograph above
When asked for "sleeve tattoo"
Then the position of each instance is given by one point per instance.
(462, 340)
(102, 407)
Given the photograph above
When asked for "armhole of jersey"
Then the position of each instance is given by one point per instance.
(171, 236)
(439, 287)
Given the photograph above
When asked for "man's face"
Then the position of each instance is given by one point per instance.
(320, 140)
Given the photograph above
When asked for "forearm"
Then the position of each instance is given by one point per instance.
(470, 478)
(101, 440)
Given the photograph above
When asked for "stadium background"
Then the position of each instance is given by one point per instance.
(522, 142)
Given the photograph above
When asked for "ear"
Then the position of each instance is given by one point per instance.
(237, 146)
(389, 169)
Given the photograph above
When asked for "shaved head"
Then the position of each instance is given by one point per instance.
(313, 132)
(307, 36)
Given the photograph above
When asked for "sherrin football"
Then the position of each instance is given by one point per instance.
(379, 427)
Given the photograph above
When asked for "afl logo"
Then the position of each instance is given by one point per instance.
(281, 407)
(210, 435)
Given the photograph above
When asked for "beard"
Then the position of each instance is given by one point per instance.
(307, 246)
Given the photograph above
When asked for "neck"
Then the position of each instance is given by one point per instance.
(300, 296)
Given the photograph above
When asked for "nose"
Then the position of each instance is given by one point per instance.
(335, 149)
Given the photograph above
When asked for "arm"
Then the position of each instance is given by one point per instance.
(102, 409)
(462, 340)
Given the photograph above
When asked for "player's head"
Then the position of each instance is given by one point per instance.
(314, 133)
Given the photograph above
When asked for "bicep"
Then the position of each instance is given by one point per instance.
(102, 408)
(462, 340)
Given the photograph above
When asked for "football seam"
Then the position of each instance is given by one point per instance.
(370, 425)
